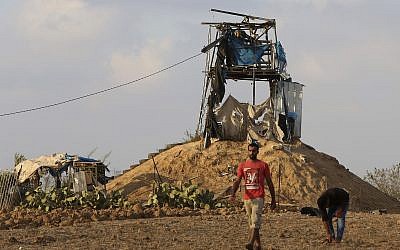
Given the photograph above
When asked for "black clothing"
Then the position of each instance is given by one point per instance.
(332, 198)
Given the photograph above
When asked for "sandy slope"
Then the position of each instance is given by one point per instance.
(305, 173)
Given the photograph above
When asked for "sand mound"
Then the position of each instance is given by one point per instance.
(305, 173)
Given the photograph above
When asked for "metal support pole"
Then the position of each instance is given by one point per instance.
(254, 67)
(254, 85)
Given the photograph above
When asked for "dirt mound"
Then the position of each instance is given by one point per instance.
(304, 173)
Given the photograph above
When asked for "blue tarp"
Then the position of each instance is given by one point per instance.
(292, 115)
(85, 159)
(79, 158)
(245, 54)
(281, 56)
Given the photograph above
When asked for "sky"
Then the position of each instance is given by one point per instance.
(345, 52)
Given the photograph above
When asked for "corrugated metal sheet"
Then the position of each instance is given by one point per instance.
(292, 92)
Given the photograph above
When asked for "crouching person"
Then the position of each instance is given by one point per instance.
(255, 173)
(334, 201)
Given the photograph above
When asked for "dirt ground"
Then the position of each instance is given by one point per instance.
(288, 230)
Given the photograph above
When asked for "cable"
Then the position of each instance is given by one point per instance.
(100, 91)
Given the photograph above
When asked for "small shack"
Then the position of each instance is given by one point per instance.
(62, 169)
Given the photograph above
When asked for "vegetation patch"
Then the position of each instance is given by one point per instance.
(386, 180)
(66, 198)
(180, 196)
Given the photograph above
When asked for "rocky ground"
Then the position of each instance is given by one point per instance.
(188, 229)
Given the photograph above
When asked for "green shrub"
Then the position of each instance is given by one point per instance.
(66, 198)
(187, 195)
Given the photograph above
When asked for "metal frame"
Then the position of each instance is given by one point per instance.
(258, 30)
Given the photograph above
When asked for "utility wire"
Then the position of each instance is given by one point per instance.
(100, 91)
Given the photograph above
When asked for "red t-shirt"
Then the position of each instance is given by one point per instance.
(253, 173)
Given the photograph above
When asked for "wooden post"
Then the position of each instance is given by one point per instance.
(156, 170)
(279, 182)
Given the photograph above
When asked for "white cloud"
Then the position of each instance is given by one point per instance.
(60, 20)
(129, 66)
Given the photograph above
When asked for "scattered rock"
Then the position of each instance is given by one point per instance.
(12, 239)
(46, 220)
(9, 222)
(44, 239)
(223, 211)
(138, 209)
(157, 212)
(68, 222)
(379, 211)
(3, 226)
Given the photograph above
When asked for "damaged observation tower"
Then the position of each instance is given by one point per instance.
(248, 51)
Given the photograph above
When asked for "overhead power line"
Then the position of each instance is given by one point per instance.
(100, 91)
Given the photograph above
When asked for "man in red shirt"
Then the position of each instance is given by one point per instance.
(255, 173)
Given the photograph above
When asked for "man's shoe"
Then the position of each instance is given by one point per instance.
(249, 246)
